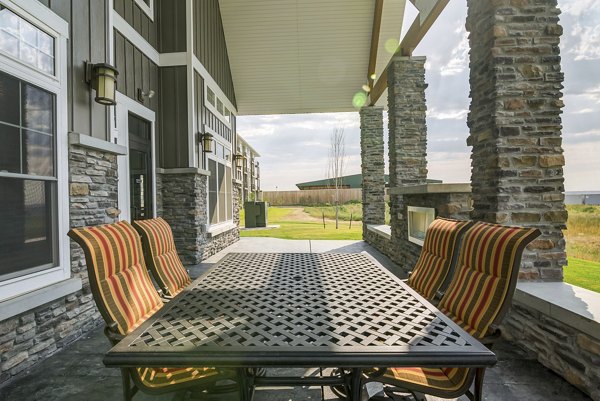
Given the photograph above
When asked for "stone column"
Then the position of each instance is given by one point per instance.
(515, 124)
(182, 202)
(372, 163)
(407, 142)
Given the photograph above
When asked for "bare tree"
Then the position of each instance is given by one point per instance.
(337, 161)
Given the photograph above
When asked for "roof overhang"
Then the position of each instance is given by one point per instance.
(309, 56)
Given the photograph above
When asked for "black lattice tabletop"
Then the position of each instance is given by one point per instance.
(261, 309)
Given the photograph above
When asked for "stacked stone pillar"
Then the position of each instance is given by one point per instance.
(515, 124)
(407, 143)
(373, 164)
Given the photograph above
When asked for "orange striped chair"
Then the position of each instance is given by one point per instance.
(477, 298)
(126, 297)
(438, 256)
(161, 255)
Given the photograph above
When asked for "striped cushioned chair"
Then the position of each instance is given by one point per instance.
(161, 255)
(125, 297)
(477, 298)
(438, 256)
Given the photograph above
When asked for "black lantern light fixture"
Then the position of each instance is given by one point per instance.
(103, 79)
(207, 140)
(239, 160)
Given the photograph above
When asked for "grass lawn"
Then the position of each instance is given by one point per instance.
(294, 224)
(583, 246)
(583, 273)
(346, 211)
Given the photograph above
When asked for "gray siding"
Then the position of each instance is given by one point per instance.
(139, 20)
(87, 30)
(210, 46)
(172, 149)
(171, 26)
(204, 116)
(136, 71)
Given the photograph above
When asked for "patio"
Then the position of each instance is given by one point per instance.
(77, 372)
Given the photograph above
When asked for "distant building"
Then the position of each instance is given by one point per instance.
(582, 198)
(248, 171)
(348, 181)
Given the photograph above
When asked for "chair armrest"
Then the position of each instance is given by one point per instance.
(491, 338)
(111, 331)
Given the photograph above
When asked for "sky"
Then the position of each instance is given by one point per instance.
(294, 148)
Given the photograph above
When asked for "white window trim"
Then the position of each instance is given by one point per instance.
(221, 226)
(148, 9)
(213, 109)
(45, 19)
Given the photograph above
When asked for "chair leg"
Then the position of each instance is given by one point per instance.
(128, 392)
(478, 390)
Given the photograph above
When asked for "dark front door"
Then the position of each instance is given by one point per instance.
(140, 168)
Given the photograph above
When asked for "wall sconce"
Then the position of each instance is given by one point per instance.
(141, 95)
(207, 140)
(239, 160)
(103, 79)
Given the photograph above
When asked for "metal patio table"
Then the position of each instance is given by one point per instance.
(338, 310)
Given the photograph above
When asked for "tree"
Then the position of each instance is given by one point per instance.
(337, 161)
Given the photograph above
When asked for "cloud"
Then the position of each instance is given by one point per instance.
(447, 114)
(578, 7)
(583, 111)
(459, 60)
(588, 46)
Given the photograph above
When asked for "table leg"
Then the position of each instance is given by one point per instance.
(355, 384)
(246, 383)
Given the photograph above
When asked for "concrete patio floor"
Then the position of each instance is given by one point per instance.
(77, 373)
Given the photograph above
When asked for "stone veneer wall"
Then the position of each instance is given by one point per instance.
(372, 165)
(182, 201)
(29, 338)
(515, 124)
(566, 350)
(407, 140)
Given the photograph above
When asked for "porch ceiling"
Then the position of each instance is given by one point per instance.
(303, 56)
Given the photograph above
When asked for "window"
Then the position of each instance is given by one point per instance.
(220, 106)
(24, 41)
(34, 249)
(220, 186)
(210, 96)
(227, 115)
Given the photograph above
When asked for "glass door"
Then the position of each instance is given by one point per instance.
(140, 168)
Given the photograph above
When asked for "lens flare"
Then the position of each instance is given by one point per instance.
(359, 99)
(391, 45)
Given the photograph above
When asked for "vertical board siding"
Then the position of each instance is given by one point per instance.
(210, 46)
(172, 118)
(172, 26)
(135, 71)
(139, 20)
(87, 41)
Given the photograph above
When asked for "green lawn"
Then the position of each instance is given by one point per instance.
(346, 211)
(583, 273)
(291, 228)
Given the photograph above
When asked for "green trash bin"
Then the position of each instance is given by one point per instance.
(256, 214)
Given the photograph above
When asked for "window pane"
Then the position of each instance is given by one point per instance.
(9, 100)
(212, 191)
(45, 63)
(219, 106)
(210, 96)
(28, 54)
(9, 43)
(221, 181)
(228, 194)
(9, 22)
(26, 207)
(10, 151)
(38, 152)
(38, 109)
(45, 43)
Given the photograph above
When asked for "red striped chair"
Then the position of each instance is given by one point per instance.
(438, 256)
(161, 255)
(477, 298)
(125, 297)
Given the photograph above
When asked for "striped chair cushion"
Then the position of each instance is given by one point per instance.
(437, 255)
(120, 282)
(440, 379)
(162, 377)
(488, 262)
(158, 243)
